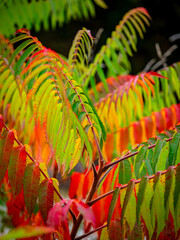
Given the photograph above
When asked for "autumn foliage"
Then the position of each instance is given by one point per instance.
(122, 130)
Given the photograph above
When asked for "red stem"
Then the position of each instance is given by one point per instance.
(128, 156)
(90, 203)
(93, 231)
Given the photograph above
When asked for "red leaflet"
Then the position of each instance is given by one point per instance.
(76, 186)
(31, 185)
(16, 169)
(149, 127)
(86, 211)
(137, 130)
(168, 117)
(156, 74)
(177, 111)
(57, 216)
(160, 121)
(6, 145)
(16, 209)
(124, 139)
(115, 230)
(87, 183)
(23, 30)
(46, 193)
(109, 146)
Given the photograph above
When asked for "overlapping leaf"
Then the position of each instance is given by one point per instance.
(121, 44)
(80, 52)
(39, 13)
(49, 95)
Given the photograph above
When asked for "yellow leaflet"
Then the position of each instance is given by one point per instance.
(34, 74)
(56, 186)
(77, 153)
(43, 167)
(29, 151)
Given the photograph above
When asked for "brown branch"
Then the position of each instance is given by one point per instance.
(107, 166)
(90, 203)
(97, 176)
(93, 231)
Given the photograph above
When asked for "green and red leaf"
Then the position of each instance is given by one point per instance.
(16, 169)
(6, 146)
(46, 194)
(31, 186)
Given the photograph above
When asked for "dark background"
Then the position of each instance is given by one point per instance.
(165, 23)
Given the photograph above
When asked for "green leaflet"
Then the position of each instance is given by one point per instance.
(4, 75)
(41, 14)
(157, 206)
(130, 212)
(113, 204)
(104, 234)
(129, 190)
(26, 231)
(162, 159)
(31, 186)
(6, 146)
(145, 209)
(103, 131)
(168, 190)
(174, 145)
(141, 195)
(157, 150)
(75, 106)
(21, 47)
(5, 86)
(125, 174)
(119, 42)
(83, 136)
(175, 80)
(149, 161)
(139, 160)
(177, 186)
(9, 94)
(23, 58)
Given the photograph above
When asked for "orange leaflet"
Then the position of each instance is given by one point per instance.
(160, 121)
(137, 132)
(76, 186)
(109, 147)
(150, 127)
(168, 117)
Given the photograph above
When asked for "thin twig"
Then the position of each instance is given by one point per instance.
(93, 231)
